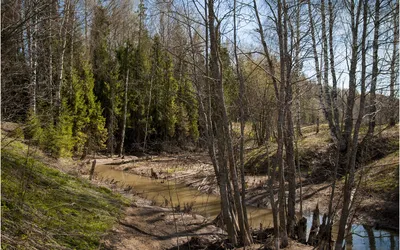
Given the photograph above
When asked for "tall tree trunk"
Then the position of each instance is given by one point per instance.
(34, 56)
(336, 119)
(275, 209)
(348, 160)
(240, 201)
(63, 38)
(86, 25)
(334, 95)
(112, 119)
(72, 37)
(289, 126)
(148, 113)
(282, 114)
(50, 39)
(298, 69)
(394, 65)
(224, 137)
(121, 147)
(220, 129)
(375, 72)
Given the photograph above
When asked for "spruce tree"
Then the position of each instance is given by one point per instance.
(162, 91)
(89, 124)
(169, 92)
(187, 113)
(63, 142)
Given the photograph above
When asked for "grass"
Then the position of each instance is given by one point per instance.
(313, 149)
(43, 208)
(310, 142)
(382, 175)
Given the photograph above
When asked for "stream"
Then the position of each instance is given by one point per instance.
(172, 194)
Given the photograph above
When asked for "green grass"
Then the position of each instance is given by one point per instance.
(382, 175)
(313, 149)
(46, 209)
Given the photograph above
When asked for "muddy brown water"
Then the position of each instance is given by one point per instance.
(172, 194)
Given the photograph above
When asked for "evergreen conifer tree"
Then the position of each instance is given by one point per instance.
(88, 123)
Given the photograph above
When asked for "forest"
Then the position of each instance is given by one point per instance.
(283, 105)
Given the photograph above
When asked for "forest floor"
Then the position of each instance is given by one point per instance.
(124, 220)
(51, 204)
(377, 195)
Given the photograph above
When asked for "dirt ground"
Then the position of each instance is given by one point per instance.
(146, 226)
(195, 170)
(150, 227)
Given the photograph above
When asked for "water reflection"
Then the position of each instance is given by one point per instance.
(364, 237)
(171, 194)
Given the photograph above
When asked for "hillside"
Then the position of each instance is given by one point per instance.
(44, 208)
(377, 174)
(48, 203)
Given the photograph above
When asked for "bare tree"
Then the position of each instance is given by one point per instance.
(346, 137)
(394, 66)
(63, 38)
(245, 226)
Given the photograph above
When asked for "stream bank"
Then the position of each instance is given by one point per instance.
(194, 172)
(168, 193)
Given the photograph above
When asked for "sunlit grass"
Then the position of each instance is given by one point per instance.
(47, 209)
(382, 175)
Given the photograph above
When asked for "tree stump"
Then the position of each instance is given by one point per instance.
(312, 240)
(302, 230)
(324, 235)
(153, 174)
(92, 169)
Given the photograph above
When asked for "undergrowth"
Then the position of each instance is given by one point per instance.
(43, 208)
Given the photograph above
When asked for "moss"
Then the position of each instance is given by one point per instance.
(48, 208)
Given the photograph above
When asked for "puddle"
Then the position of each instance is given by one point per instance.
(170, 193)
